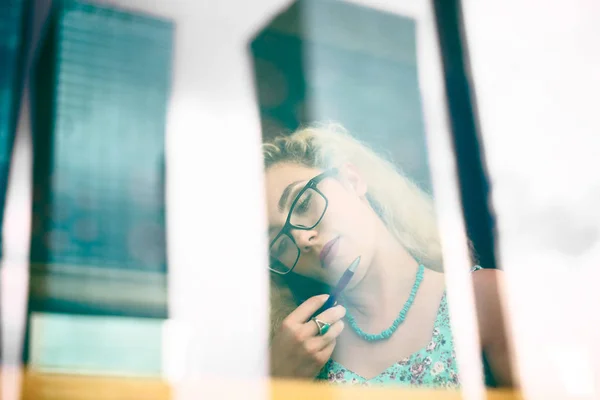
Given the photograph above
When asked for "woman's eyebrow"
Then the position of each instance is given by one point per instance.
(286, 194)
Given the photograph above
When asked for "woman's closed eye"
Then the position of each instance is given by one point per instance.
(304, 204)
(281, 248)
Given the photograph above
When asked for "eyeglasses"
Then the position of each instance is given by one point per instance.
(306, 211)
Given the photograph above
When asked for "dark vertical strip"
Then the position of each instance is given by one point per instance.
(14, 39)
(42, 108)
(14, 45)
(470, 157)
(472, 176)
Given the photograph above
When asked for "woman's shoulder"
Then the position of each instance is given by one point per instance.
(486, 280)
(486, 285)
(488, 290)
(476, 268)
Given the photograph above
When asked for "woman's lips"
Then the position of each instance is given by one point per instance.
(328, 252)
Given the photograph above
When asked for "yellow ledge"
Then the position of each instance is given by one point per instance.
(37, 386)
(292, 390)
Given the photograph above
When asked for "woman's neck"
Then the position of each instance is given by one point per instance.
(377, 299)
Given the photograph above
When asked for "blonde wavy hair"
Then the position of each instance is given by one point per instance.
(405, 209)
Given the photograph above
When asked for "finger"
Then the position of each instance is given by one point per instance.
(308, 308)
(318, 343)
(325, 354)
(330, 316)
(333, 314)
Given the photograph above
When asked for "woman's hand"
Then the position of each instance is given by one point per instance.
(297, 350)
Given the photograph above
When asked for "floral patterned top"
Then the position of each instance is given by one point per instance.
(432, 366)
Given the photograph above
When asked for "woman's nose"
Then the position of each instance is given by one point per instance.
(304, 239)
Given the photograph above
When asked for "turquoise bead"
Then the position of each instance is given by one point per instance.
(387, 333)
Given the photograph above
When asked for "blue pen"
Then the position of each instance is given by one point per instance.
(341, 285)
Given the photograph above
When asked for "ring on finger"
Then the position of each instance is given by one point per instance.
(322, 326)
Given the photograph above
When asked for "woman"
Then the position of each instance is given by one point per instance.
(331, 199)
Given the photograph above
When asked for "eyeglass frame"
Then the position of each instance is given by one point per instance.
(288, 226)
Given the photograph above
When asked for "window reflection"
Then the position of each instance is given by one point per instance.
(332, 61)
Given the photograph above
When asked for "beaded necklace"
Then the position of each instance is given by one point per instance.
(387, 333)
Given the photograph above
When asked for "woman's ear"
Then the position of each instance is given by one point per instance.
(354, 179)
